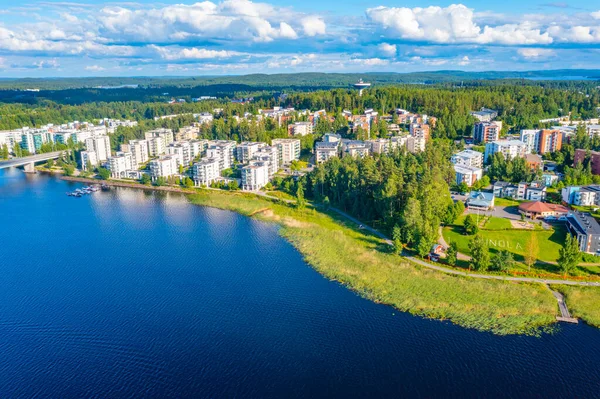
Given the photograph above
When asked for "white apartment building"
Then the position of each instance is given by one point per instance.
(325, 151)
(156, 146)
(467, 174)
(398, 142)
(509, 148)
(289, 149)
(138, 150)
(415, 144)
(530, 138)
(355, 148)
(206, 171)
(301, 128)
(244, 152)
(255, 176)
(198, 148)
(379, 146)
(88, 157)
(223, 150)
(164, 166)
(182, 151)
(205, 117)
(100, 145)
(468, 158)
(119, 164)
(270, 155)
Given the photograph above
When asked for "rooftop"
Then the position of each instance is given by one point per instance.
(584, 222)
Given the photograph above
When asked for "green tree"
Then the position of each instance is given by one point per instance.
(569, 255)
(326, 203)
(470, 225)
(104, 173)
(531, 250)
(397, 239)
(300, 201)
(189, 183)
(452, 253)
(503, 261)
(69, 170)
(160, 181)
(424, 246)
(480, 254)
(145, 179)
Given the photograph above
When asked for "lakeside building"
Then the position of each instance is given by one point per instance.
(325, 151)
(88, 158)
(542, 210)
(468, 158)
(206, 171)
(270, 156)
(580, 156)
(542, 141)
(223, 150)
(467, 174)
(300, 129)
(100, 145)
(586, 229)
(138, 150)
(509, 148)
(119, 164)
(182, 151)
(158, 140)
(255, 176)
(164, 166)
(486, 132)
(246, 149)
(288, 149)
(198, 148)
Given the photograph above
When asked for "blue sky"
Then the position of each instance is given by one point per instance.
(90, 38)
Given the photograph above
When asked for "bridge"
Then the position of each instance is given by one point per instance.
(29, 162)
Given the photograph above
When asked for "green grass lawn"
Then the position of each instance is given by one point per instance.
(281, 195)
(495, 223)
(362, 262)
(515, 241)
(506, 202)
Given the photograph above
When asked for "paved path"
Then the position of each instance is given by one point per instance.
(443, 243)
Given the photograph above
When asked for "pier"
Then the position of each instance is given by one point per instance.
(565, 316)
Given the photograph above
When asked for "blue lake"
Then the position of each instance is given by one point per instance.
(128, 293)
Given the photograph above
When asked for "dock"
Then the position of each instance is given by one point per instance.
(565, 316)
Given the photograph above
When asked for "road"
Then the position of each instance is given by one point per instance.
(30, 159)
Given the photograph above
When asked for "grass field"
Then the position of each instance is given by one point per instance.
(362, 262)
(281, 195)
(515, 241)
(584, 302)
(506, 202)
(495, 223)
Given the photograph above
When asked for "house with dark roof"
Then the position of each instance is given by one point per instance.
(586, 229)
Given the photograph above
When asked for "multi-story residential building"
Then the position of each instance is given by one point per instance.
(420, 131)
(486, 132)
(586, 229)
(580, 155)
(100, 145)
(223, 150)
(398, 142)
(534, 191)
(138, 150)
(205, 117)
(300, 129)
(415, 144)
(467, 174)
(269, 155)
(379, 146)
(581, 195)
(182, 151)
(485, 114)
(246, 149)
(325, 151)
(331, 138)
(206, 171)
(468, 158)
(542, 141)
(255, 176)
(158, 140)
(354, 148)
(88, 158)
(119, 164)
(288, 149)
(198, 148)
(187, 133)
(509, 148)
(164, 166)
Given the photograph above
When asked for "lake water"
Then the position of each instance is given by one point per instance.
(133, 294)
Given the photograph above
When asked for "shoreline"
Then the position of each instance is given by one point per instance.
(271, 209)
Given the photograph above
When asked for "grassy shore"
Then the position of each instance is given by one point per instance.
(584, 302)
(363, 263)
